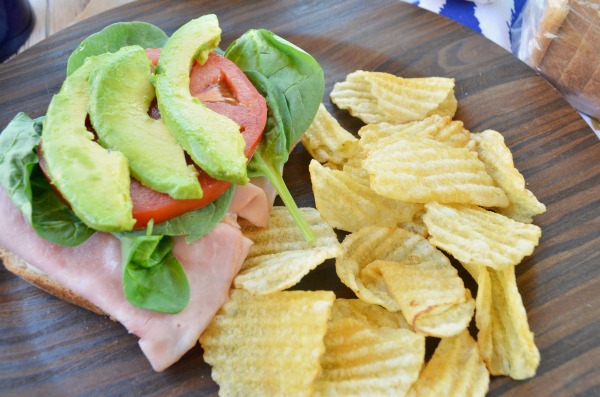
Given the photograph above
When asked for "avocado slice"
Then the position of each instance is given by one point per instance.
(213, 141)
(120, 95)
(93, 180)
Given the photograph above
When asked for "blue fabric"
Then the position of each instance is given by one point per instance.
(463, 12)
(494, 20)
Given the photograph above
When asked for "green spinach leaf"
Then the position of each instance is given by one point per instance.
(153, 278)
(277, 132)
(51, 218)
(115, 36)
(293, 84)
(272, 151)
(18, 157)
(295, 72)
(32, 194)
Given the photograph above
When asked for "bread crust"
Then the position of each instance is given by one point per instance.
(30, 274)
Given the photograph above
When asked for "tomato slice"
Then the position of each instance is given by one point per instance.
(224, 88)
(149, 204)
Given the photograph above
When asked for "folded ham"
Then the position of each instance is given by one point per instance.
(253, 201)
(92, 270)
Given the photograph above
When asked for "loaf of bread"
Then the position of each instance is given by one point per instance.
(561, 40)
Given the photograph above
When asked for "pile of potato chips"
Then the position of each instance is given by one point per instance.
(415, 189)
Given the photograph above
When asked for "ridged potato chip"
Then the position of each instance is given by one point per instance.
(477, 236)
(327, 141)
(429, 292)
(376, 97)
(346, 201)
(441, 129)
(411, 186)
(367, 313)
(426, 170)
(374, 243)
(505, 340)
(417, 225)
(449, 320)
(280, 255)
(360, 360)
(455, 370)
(499, 163)
(268, 345)
(353, 165)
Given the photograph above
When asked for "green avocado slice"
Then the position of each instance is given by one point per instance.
(120, 95)
(93, 180)
(213, 141)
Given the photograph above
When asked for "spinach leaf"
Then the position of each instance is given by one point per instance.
(32, 194)
(295, 72)
(115, 36)
(51, 218)
(192, 225)
(272, 151)
(18, 157)
(153, 278)
(274, 143)
(293, 84)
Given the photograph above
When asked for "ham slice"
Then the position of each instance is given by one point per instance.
(264, 184)
(254, 201)
(93, 271)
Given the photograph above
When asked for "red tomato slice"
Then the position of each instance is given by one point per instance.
(149, 204)
(224, 88)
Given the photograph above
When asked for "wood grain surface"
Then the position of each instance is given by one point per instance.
(50, 348)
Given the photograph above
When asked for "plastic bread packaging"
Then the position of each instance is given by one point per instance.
(561, 40)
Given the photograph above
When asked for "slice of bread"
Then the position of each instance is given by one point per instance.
(35, 277)
(542, 30)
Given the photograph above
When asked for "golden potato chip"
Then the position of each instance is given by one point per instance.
(373, 243)
(455, 370)
(268, 345)
(376, 97)
(477, 236)
(441, 129)
(280, 255)
(447, 320)
(327, 141)
(417, 225)
(499, 163)
(367, 313)
(347, 202)
(369, 361)
(506, 343)
(428, 290)
(426, 170)
(353, 165)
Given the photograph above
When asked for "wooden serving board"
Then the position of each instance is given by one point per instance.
(48, 347)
